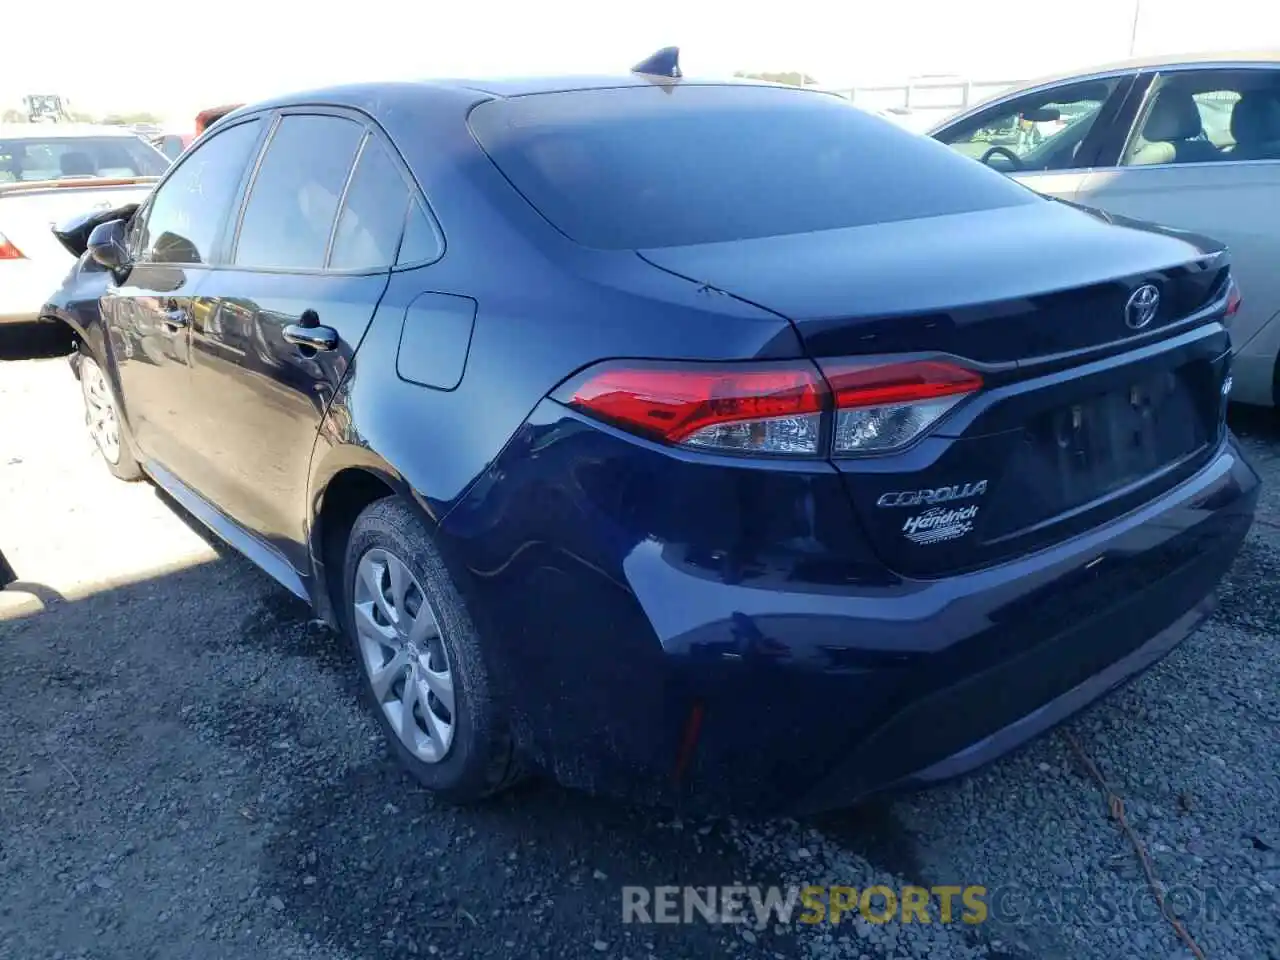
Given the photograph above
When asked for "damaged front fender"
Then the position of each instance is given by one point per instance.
(74, 232)
(76, 302)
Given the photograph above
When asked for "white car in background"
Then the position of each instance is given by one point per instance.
(48, 173)
(1192, 142)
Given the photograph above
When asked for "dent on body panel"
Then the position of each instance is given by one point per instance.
(140, 302)
(77, 301)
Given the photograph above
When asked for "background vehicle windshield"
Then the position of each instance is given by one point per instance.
(660, 166)
(32, 158)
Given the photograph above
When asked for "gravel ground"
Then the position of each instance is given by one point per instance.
(187, 773)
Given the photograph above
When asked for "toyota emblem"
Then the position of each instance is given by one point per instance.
(1142, 306)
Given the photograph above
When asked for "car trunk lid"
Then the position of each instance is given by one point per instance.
(995, 286)
(1081, 416)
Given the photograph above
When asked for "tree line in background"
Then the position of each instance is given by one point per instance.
(123, 119)
(792, 78)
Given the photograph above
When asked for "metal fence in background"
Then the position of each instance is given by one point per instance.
(922, 102)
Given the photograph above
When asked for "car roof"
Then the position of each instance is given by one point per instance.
(525, 86)
(61, 131)
(1201, 58)
(374, 97)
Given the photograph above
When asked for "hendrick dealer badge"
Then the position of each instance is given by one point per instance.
(939, 525)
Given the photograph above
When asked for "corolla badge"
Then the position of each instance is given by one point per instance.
(1142, 306)
(913, 498)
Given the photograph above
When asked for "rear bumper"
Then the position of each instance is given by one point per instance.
(1059, 708)
(1010, 653)
(961, 727)
(634, 665)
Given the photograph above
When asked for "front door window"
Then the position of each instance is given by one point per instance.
(1038, 131)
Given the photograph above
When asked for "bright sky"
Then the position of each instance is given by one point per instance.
(175, 58)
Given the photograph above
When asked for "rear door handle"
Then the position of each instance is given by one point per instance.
(317, 338)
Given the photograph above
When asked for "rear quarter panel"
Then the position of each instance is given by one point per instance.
(546, 307)
(532, 329)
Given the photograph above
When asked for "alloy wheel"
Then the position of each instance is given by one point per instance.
(100, 410)
(404, 655)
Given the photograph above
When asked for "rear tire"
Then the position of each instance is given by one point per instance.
(102, 416)
(418, 649)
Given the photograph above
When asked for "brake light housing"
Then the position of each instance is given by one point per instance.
(1234, 300)
(739, 408)
(776, 409)
(884, 407)
(8, 251)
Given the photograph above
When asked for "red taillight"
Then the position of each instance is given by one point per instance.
(774, 408)
(1234, 300)
(8, 251)
(883, 407)
(862, 385)
(744, 408)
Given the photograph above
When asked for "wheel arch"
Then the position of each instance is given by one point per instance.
(347, 479)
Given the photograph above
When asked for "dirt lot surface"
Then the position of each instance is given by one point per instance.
(187, 773)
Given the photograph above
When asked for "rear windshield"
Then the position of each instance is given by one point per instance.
(32, 158)
(669, 165)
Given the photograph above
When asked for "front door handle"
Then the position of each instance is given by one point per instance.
(176, 319)
(317, 338)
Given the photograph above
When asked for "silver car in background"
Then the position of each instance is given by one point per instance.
(48, 173)
(1191, 142)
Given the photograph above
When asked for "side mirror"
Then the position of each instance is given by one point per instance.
(1042, 114)
(106, 245)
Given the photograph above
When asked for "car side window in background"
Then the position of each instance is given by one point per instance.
(295, 194)
(421, 242)
(1041, 131)
(187, 212)
(373, 213)
(1209, 116)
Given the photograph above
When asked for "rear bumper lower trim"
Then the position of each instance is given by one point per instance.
(1054, 712)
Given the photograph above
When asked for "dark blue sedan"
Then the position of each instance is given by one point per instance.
(713, 443)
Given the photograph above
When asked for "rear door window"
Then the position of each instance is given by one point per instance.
(373, 213)
(1209, 116)
(421, 241)
(668, 165)
(294, 199)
